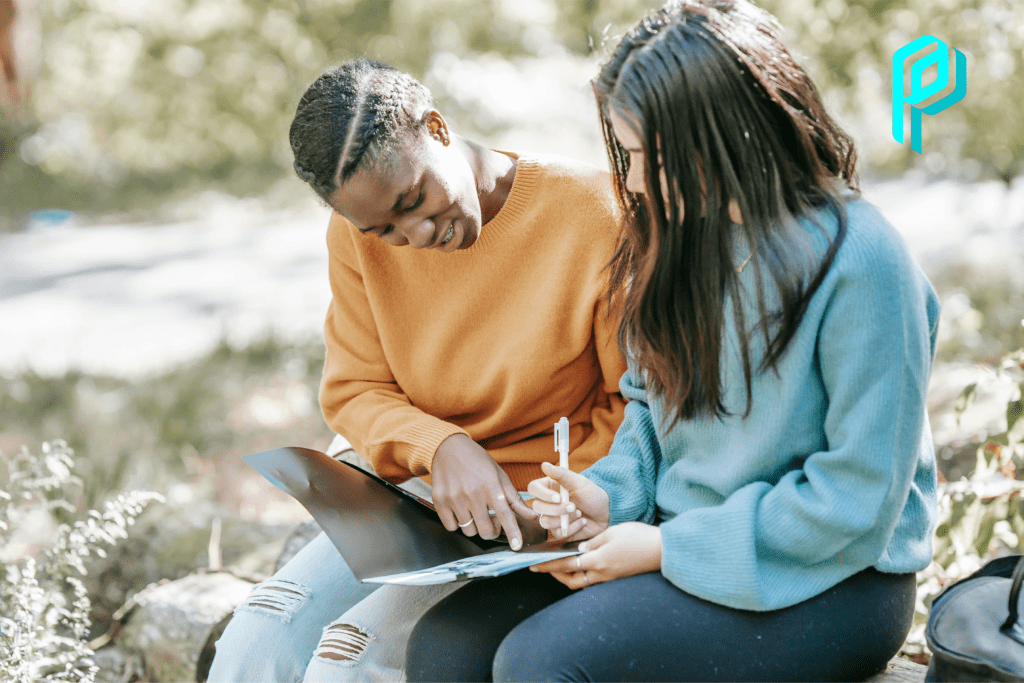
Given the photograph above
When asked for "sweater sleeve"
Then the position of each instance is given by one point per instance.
(767, 547)
(629, 472)
(358, 395)
(605, 416)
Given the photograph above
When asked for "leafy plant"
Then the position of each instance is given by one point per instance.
(981, 516)
(43, 601)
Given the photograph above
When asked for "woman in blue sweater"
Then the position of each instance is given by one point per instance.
(771, 492)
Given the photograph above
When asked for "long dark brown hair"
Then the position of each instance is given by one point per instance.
(725, 113)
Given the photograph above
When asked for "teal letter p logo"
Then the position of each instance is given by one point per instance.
(919, 93)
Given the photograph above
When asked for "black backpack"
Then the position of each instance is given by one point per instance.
(975, 629)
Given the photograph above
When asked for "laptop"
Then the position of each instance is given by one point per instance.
(387, 534)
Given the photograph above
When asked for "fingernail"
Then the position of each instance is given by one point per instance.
(516, 543)
(579, 513)
(533, 569)
(584, 522)
(570, 507)
(583, 547)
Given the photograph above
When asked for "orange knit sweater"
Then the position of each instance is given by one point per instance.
(497, 341)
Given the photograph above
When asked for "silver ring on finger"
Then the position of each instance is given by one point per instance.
(578, 567)
(587, 581)
(463, 526)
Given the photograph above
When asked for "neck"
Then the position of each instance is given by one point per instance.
(494, 173)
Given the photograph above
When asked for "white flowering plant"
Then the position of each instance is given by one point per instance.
(981, 516)
(44, 608)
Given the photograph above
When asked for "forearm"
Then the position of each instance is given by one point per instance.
(398, 439)
(629, 472)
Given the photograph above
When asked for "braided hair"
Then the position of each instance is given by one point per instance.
(350, 118)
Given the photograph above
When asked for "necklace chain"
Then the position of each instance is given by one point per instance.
(740, 267)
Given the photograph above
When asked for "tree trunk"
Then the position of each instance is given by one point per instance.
(175, 624)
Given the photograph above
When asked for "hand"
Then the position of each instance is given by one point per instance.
(619, 551)
(533, 532)
(467, 482)
(587, 506)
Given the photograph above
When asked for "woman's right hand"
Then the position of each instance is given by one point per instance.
(466, 483)
(584, 495)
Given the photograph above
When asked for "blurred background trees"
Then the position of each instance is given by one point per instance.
(133, 100)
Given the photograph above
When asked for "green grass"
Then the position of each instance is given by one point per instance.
(188, 424)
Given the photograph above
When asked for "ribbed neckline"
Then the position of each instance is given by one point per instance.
(519, 198)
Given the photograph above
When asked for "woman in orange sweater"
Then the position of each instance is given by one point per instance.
(468, 316)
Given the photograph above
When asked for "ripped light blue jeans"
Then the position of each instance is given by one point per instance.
(273, 634)
(311, 622)
(304, 624)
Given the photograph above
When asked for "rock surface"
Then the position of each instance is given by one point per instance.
(900, 671)
(176, 623)
(172, 541)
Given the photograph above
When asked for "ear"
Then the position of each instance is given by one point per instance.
(437, 127)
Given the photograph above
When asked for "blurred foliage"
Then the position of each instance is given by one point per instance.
(156, 93)
(981, 516)
(184, 425)
(136, 99)
(980, 314)
(44, 605)
(848, 47)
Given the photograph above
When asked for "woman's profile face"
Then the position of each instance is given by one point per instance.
(425, 197)
(635, 182)
(631, 142)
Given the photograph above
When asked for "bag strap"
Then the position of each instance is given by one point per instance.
(1018, 579)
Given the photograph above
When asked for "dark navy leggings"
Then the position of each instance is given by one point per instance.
(528, 627)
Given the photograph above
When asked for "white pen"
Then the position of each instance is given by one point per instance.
(562, 446)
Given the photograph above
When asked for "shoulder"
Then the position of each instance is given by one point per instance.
(871, 245)
(872, 238)
(564, 178)
(874, 265)
(342, 239)
(573, 170)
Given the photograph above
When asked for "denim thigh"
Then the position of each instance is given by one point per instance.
(273, 634)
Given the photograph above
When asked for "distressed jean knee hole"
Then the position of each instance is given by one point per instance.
(279, 598)
(343, 643)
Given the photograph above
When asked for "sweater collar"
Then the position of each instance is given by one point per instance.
(510, 215)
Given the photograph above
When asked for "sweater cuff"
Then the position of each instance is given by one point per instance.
(623, 506)
(423, 439)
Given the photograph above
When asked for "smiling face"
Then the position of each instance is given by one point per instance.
(424, 196)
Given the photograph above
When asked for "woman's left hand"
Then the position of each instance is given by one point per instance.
(618, 551)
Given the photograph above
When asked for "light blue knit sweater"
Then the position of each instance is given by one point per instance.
(833, 471)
